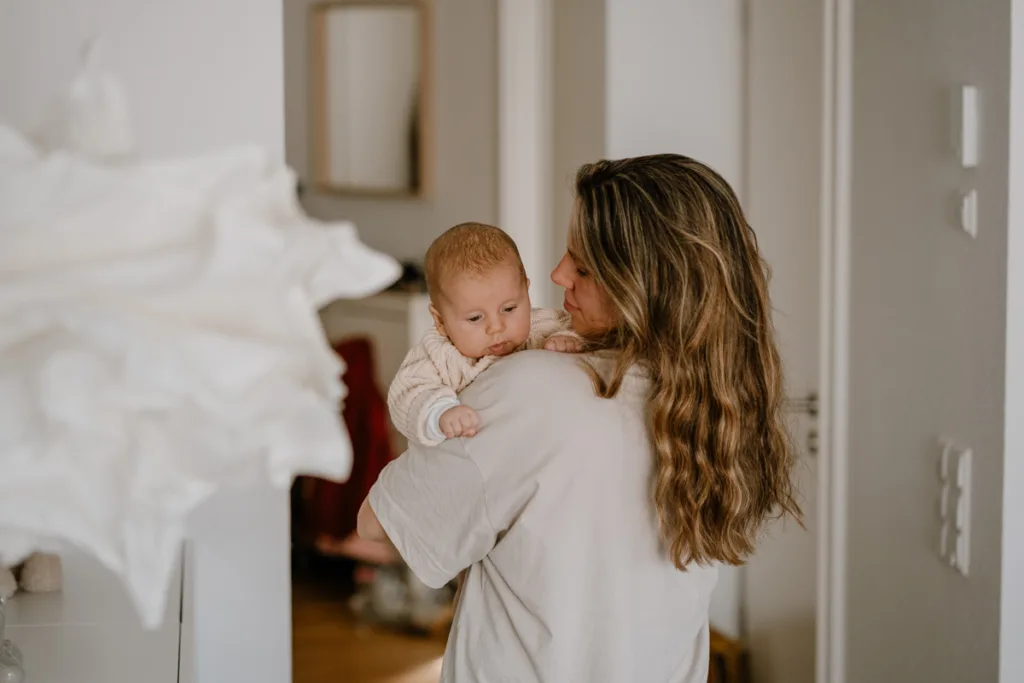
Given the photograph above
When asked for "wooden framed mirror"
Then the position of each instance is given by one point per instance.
(370, 97)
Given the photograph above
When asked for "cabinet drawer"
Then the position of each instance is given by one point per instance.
(394, 321)
(90, 632)
(97, 653)
(91, 594)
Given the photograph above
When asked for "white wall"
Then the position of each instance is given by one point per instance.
(928, 339)
(675, 81)
(675, 84)
(465, 165)
(1011, 643)
(190, 88)
(201, 74)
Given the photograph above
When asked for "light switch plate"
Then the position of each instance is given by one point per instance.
(956, 468)
(969, 213)
(966, 125)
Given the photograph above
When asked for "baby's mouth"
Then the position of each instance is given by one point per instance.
(497, 348)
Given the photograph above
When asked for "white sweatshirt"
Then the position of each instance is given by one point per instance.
(434, 372)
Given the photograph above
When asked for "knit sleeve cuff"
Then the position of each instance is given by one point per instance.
(433, 417)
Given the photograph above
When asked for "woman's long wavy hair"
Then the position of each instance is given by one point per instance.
(666, 238)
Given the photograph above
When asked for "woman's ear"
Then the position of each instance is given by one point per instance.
(438, 322)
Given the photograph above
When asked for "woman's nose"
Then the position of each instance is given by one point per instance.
(561, 274)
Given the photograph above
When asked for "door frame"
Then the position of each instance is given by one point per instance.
(525, 134)
(836, 164)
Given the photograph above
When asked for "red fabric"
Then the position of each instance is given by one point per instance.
(329, 508)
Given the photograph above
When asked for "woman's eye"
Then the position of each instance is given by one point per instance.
(581, 273)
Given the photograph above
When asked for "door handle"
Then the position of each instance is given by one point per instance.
(808, 405)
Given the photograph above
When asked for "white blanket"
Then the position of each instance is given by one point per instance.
(159, 339)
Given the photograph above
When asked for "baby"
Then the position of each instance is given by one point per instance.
(480, 302)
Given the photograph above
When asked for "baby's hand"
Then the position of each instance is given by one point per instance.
(459, 421)
(564, 343)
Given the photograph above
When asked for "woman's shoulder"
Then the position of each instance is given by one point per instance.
(538, 378)
(521, 378)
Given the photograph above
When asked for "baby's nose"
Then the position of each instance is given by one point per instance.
(495, 325)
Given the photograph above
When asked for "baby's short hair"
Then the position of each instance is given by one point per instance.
(473, 248)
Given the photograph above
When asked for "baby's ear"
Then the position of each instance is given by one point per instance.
(438, 322)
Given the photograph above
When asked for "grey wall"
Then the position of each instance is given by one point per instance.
(579, 100)
(928, 338)
(465, 165)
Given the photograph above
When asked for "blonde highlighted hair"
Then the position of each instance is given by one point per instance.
(665, 237)
(468, 248)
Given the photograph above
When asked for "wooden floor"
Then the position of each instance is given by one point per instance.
(329, 646)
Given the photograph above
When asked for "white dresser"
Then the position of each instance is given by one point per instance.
(395, 321)
(90, 633)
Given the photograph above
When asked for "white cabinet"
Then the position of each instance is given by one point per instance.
(90, 633)
(395, 321)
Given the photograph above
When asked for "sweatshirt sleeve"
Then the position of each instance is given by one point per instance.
(417, 385)
(427, 384)
(546, 323)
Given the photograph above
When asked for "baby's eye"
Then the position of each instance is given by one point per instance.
(474, 318)
(510, 309)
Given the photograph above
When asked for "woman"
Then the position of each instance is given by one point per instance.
(596, 503)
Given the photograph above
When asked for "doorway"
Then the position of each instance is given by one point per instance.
(797, 155)
(789, 191)
(783, 195)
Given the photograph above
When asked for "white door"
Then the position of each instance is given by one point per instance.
(784, 131)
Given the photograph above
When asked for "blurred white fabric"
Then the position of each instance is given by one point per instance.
(159, 339)
(92, 117)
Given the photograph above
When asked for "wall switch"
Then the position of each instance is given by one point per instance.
(944, 461)
(966, 124)
(969, 213)
(955, 470)
(963, 468)
(962, 523)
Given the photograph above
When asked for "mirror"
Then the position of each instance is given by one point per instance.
(369, 97)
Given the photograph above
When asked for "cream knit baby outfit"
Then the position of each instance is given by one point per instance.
(434, 372)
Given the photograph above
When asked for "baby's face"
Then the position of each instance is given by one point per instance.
(485, 315)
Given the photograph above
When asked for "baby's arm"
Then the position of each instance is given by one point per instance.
(565, 342)
(457, 421)
(551, 329)
(423, 406)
